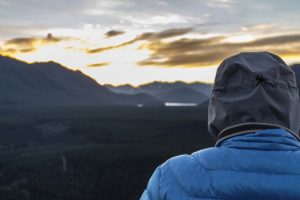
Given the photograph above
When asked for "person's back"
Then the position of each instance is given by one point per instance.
(254, 115)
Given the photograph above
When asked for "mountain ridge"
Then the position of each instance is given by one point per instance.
(178, 91)
(50, 83)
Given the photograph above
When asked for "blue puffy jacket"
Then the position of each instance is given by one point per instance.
(264, 164)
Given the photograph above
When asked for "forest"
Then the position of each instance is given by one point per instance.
(92, 152)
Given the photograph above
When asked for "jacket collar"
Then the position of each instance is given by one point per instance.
(248, 127)
(264, 139)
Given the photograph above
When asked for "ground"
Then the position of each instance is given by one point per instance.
(92, 152)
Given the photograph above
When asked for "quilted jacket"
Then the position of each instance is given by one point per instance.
(262, 165)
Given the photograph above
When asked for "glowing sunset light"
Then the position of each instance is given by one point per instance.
(116, 42)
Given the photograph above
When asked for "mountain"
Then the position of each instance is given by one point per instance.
(49, 83)
(182, 95)
(179, 92)
(201, 87)
(123, 89)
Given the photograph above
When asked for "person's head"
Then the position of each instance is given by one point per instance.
(253, 90)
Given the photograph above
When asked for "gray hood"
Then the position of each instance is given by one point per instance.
(253, 90)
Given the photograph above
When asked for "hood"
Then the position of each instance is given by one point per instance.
(253, 90)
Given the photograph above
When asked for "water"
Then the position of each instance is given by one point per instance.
(176, 104)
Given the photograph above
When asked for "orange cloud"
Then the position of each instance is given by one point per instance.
(150, 36)
(28, 44)
(211, 51)
(103, 64)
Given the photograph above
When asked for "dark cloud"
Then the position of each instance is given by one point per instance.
(21, 41)
(150, 36)
(103, 64)
(113, 33)
(203, 52)
(29, 44)
(196, 59)
(30, 41)
(275, 40)
(28, 50)
(102, 49)
(184, 45)
(50, 38)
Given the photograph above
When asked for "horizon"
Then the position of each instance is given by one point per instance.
(132, 85)
(127, 84)
(173, 41)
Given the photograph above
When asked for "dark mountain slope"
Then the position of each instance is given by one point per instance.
(52, 84)
(169, 92)
(182, 95)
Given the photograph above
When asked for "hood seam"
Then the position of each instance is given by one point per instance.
(220, 140)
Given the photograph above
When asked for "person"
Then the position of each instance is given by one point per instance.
(253, 113)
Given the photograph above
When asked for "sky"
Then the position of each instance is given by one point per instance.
(139, 41)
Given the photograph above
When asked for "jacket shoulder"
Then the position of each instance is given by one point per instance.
(181, 177)
(152, 191)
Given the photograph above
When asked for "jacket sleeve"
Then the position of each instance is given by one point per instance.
(152, 191)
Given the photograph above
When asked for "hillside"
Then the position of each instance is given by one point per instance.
(182, 95)
(50, 83)
(169, 92)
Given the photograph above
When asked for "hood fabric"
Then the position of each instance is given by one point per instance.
(254, 90)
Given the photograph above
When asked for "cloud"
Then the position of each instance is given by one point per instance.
(219, 3)
(164, 34)
(28, 44)
(260, 27)
(184, 45)
(150, 36)
(184, 52)
(275, 40)
(113, 33)
(102, 49)
(158, 19)
(103, 64)
(190, 60)
(29, 41)
(28, 50)
(8, 51)
(194, 52)
(20, 42)
(211, 51)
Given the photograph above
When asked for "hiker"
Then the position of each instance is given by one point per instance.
(253, 114)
